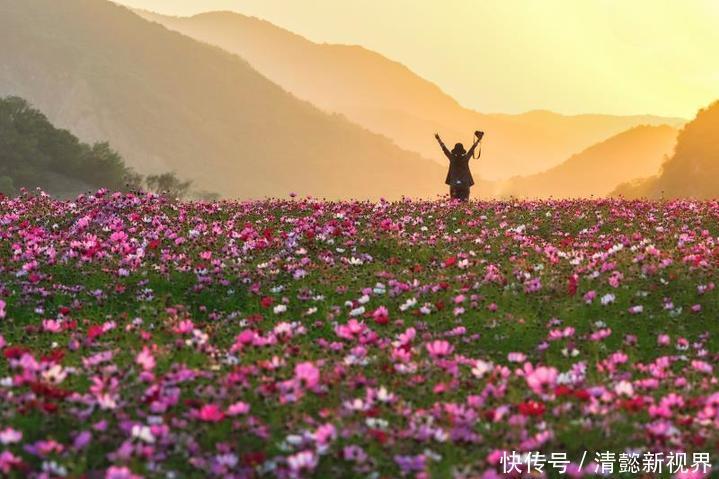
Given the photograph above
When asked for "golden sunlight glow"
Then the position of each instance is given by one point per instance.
(604, 56)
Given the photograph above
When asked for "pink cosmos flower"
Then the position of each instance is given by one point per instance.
(145, 359)
(589, 296)
(302, 461)
(406, 337)
(116, 472)
(325, 434)
(350, 330)
(692, 474)
(238, 408)
(308, 374)
(381, 315)
(2, 309)
(439, 348)
(516, 357)
(8, 462)
(118, 237)
(184, 327)
(210, 413)
(533, 285)
(10, 436)
(616, 279)
(702, 366)
(542, 379)
(51, 325)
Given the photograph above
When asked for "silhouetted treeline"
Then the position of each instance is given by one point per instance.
(693, 170)
(33, 153)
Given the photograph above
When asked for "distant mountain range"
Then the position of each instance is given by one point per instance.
(632, 154)
(693, 170)
(388, 98)
(264, 112)
(168, 102)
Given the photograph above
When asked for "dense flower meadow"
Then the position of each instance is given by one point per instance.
(147, 338)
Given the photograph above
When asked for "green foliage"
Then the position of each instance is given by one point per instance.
(7, 186)
(33, 153)
(168, 184)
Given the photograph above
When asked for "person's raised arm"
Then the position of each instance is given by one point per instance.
(470, 153)
(444, 148)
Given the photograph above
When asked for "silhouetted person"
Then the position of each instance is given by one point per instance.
(459, 178)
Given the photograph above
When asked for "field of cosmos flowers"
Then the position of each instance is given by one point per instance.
(300, 338)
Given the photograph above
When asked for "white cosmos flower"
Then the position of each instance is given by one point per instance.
(143, 433)
(481, 368)
(607, 299)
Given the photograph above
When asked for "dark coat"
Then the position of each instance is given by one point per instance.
(459, 173)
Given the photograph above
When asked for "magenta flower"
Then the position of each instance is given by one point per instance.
(210, 413)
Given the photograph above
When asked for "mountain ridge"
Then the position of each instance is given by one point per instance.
(599, 169)
(693, 168)
(386, 97)
(168, 102)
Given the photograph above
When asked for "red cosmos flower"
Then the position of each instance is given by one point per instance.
(266, 301)
(15, 352)
(52, 392)
(633, 405)
(531, 408)
(70, 325)
(49, 407)
(572, 285)
(372, 412)
(252, 459)
(698, 440)
(451, 261)
(562, 390)
(94, 331)
(379, 436)
(582, 394)
(55, 356)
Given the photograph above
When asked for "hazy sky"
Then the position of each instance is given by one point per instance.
(604, 56)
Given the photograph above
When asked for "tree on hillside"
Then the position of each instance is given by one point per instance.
(33, 153)
(693, 169)
(168, 184)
